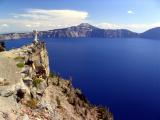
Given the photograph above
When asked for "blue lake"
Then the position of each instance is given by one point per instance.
(122, 74)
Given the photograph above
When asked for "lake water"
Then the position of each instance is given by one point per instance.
(123, 74)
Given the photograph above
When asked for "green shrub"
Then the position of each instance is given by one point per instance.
(104, 114)
(20, 65)
(33, 50)
(32, 103)
(19, 58)
(51, 74)
(36, 81)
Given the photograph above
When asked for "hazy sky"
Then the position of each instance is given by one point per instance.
(26, 15)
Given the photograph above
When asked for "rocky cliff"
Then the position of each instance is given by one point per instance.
(29, 91)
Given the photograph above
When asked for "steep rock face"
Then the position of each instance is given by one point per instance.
(34, 93)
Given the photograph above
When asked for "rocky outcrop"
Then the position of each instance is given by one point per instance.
(28, 91)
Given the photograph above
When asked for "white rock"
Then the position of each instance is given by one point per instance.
(25, 117)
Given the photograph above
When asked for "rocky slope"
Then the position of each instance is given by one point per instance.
(28, 91)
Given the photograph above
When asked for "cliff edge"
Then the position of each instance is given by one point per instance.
(29, 91)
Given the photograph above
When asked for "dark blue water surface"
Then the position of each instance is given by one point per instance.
(123, 74)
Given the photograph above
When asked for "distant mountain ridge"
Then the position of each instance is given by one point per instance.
(86, 30)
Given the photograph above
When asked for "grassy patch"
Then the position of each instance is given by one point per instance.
(19, 58)
(20, 65)
(36, 81)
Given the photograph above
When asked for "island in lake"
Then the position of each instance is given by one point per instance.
(85, 30)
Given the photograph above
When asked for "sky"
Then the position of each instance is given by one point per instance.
(26, 15)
